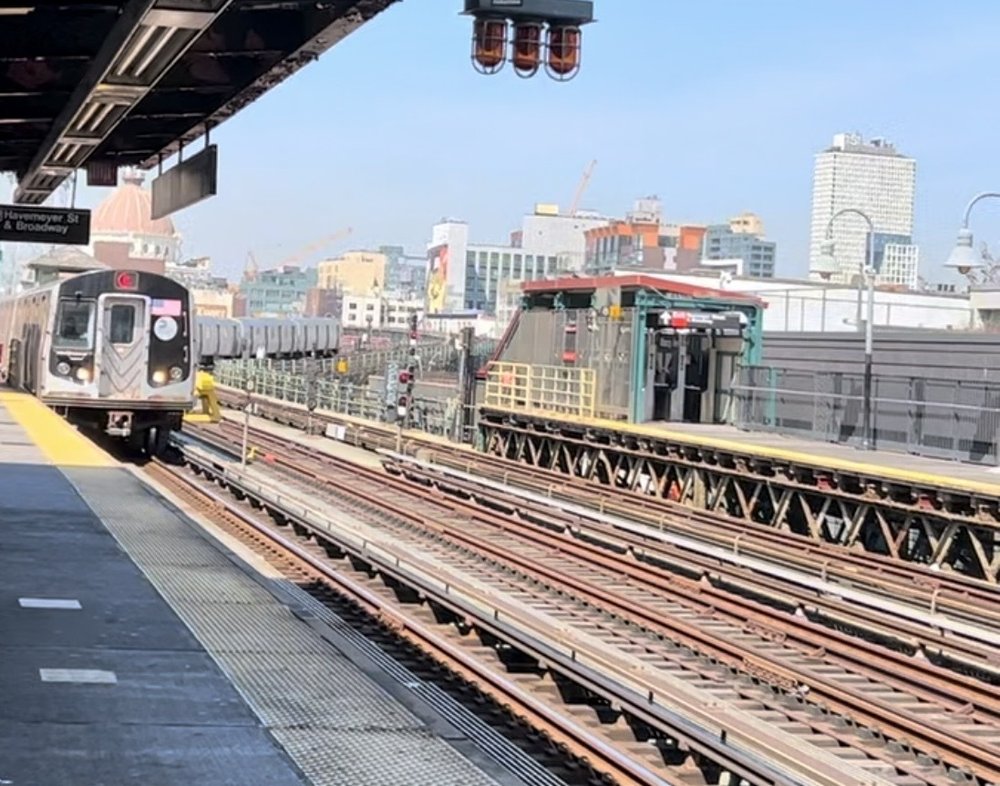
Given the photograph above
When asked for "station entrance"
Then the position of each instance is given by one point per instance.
(692, 360)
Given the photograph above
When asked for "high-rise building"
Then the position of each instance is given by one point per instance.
(870, 176)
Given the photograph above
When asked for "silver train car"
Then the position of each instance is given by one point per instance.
(216, 338)
(109, 349)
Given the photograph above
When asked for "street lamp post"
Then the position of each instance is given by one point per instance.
(825, 266)
(963, 257)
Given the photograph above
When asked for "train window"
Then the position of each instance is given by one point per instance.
(75, 328)
(122, 326)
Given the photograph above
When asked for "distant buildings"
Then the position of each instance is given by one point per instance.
(742, 238)
(643, 241)
(871, 176)
(278, 292)
(636, 242)
(466, 276)
(405, 274)
(356, 272)
(369, 289)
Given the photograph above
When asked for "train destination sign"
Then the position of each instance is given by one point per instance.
(29, 224)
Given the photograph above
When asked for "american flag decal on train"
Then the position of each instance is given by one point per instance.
(166, 308)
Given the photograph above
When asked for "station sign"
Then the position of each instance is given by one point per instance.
(30, 224)
(186, 184)
(728, 323)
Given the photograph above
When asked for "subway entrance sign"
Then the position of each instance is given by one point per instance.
(29, 224)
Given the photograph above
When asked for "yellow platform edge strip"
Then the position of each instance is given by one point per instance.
(59, 442)
(792, 456)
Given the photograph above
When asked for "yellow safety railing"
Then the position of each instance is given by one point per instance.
(519, 386)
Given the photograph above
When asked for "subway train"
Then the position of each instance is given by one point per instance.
(109, 349)
(216, 338)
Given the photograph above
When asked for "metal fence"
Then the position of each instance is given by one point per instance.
(936, 418)
(342, 396)
(519, 386)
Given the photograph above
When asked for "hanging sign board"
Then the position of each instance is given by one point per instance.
(192, 180)
(30, 224)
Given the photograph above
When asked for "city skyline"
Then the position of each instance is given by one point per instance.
(404, 135)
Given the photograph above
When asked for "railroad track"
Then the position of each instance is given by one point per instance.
(932, 720)
(960, 595)
(547, 754)
(937, 589)
(955, 630)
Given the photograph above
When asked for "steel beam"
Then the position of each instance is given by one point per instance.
(145, 42)
(947, 530)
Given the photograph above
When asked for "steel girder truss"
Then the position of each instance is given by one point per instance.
(950, 530)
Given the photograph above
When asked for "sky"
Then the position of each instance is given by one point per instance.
(716, 106)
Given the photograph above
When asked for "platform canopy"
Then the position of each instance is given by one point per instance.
(126, 82)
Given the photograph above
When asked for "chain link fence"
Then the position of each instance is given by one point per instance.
(297, 382)
(935, 418)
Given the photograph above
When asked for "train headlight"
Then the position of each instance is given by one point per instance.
(159, 376)
(176, 372)
(83, 374)
(63, 368)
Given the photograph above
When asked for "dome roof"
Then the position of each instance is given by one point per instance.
(128, 211)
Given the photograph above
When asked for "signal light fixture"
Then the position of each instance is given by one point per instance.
(407, 376)
(560, 50)
(126, 280)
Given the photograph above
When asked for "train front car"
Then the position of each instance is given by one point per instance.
(118, 355)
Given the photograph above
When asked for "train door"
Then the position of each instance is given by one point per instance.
(122, 349)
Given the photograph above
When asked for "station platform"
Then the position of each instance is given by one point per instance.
(139, 648)
(901, 466)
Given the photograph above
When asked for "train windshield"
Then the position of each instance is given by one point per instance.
(75, 325)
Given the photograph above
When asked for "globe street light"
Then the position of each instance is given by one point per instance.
(962, 257)
(826, 265)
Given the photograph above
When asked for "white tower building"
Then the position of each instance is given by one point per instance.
(868, 176)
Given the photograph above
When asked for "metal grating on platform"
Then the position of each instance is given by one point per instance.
(322, 690)
(407, 756)
(340, 727)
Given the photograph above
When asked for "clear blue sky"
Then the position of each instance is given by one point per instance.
(717, 106)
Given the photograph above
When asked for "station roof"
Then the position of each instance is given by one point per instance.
(129, 81)
(637, 281)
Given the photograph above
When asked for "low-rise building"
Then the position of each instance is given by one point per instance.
(214, 302)
(356, 272)
(278, 292)
(377, 312)
(742, 238)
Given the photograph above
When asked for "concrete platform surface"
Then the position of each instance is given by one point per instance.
(101, 682)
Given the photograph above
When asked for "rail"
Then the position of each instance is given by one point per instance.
(532, 549)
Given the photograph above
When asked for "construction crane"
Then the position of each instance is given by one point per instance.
(582, 187)
(312, 248)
